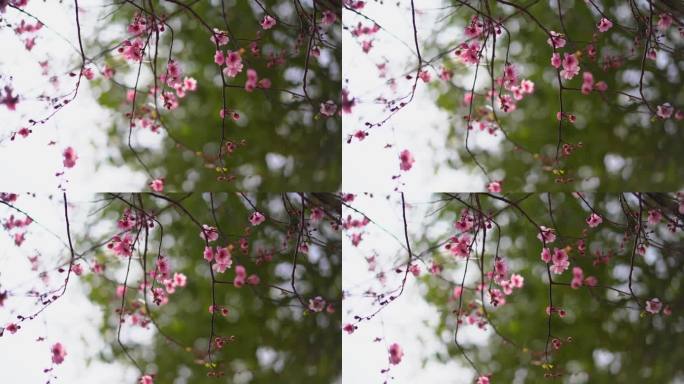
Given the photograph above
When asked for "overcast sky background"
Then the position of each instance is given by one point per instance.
(421, 126)
(30, 164)
(409, 320)
(71, 320)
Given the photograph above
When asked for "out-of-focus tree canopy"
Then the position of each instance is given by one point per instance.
(628, 125)
(270, 333)
(281, 141)
(615, 263)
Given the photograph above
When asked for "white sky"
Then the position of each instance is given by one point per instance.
(420, 127)
(72, 320)
(409, 320)
(29, 164)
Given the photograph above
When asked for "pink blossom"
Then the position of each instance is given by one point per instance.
(240, 276)
(406, 159)
(555, 60)
(494, 187)
(654, 217)
(256, 218)
(594, 220)
(664, 111)
(395, 353)
(469, 53)
(556, 39)
(517, 281)
(132, 51)
(546, 255)
(654, 305)
(414, 269)
(458, 291)
(496, 297)
(317, 214)
(316, 304)
(157, 185)
(560, 261)
(349, 328)
(147, 379)
(527, 86)
(70, 157)
(12, 328)
(570, 66)
(474, 29)
(234, 65)
(483, 380)
(58, 353)
(190, 84)
(577, 277)
(219, 58)
(122, 246)
(89, 73)
(664, 21)
(591, 281)
(601, 86)
(587, 83)
(179, 279)
(328, 108)
(77, 269)
(163, 266)
(546, 235)
(268, 22)
(468, 98)
(223, 259)
(328, 18)
(219, 37)
(209, 233)
(252, 79)
(253, 280)
(604, 25)
(208, 253)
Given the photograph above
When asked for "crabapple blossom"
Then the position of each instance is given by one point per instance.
(570, 66)
(268, 22)
(654, 216)
(256, 218)
(517, 280)
(664, 111)
(556, 39)
(349, 328)
(594, 220)
(157, 185)
(494, 187)
(147, 379)
(406, 160)
(604, 25)
(328, 18)
(209, 233)
(328, 108)
(58, 353)
(664, 21)
(654, 305)
(395, 353)
(317, 304)
(240, 276)
(546, 235)
(70, 157)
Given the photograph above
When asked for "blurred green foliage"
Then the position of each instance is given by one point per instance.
(623, 148)
(609, 342)
(289, 144)
(275, 338)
